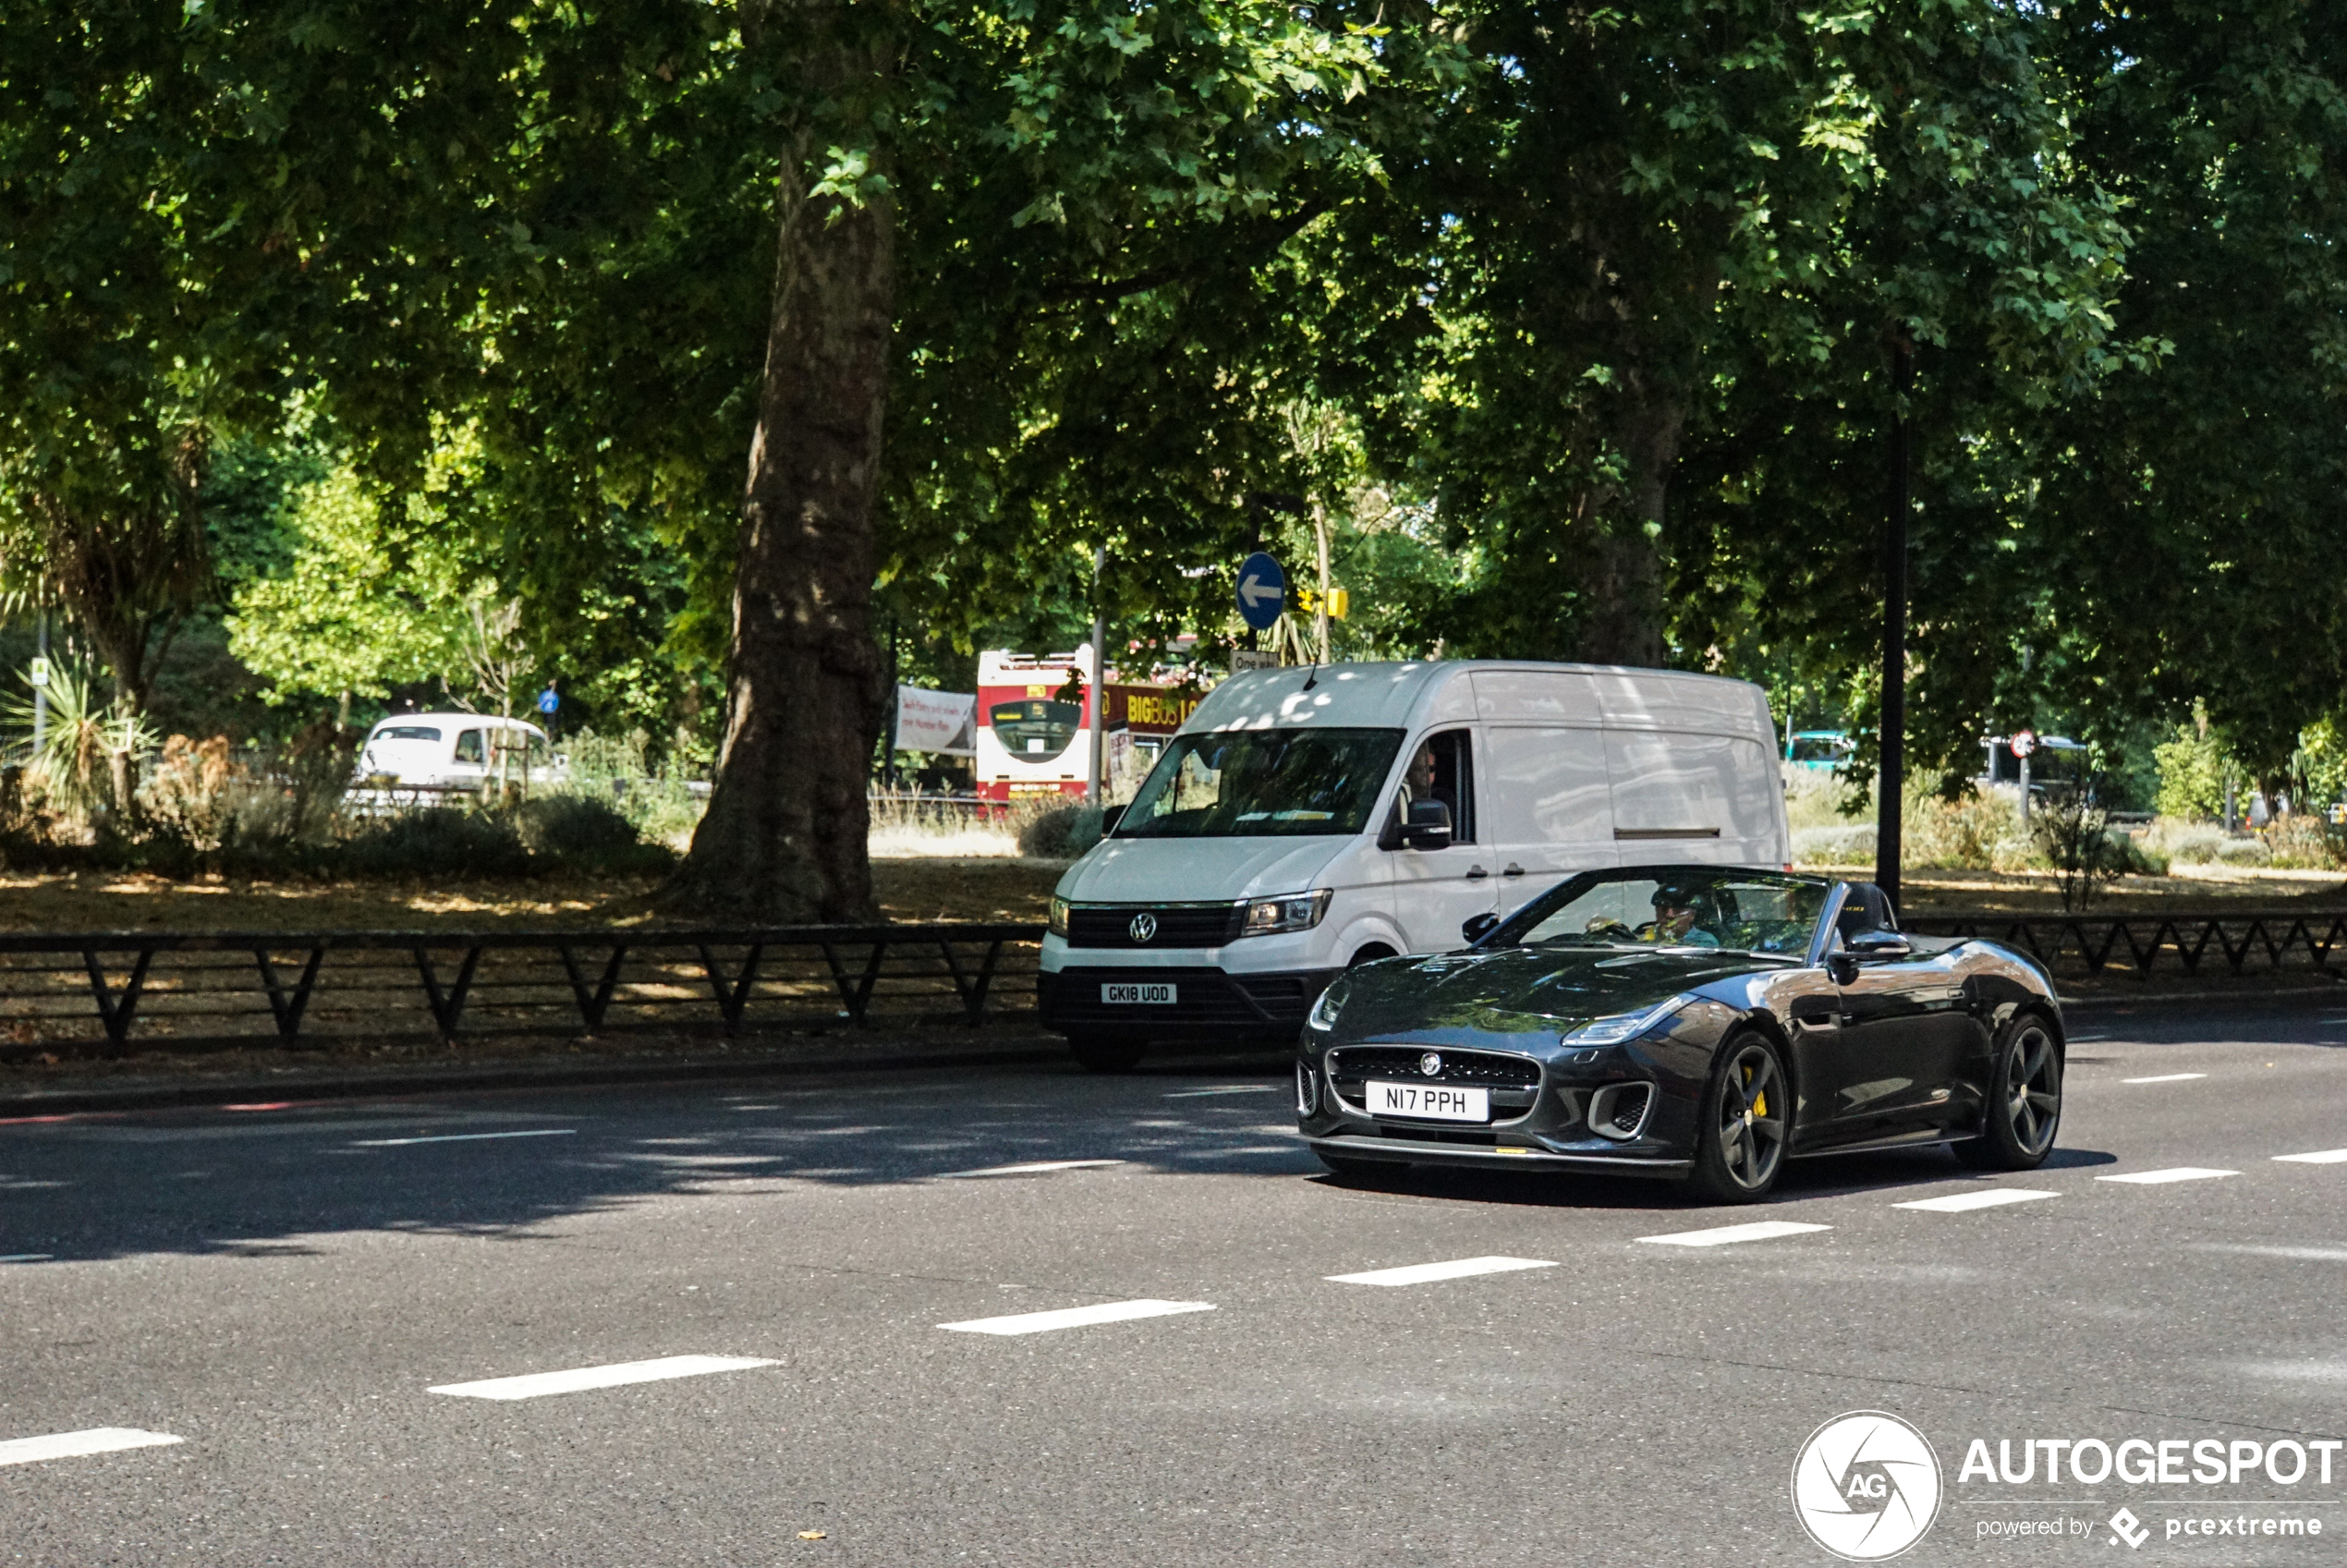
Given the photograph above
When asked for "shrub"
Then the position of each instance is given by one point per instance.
(2074, 833)
(439, 840)
(588, 831)
(2302, 843)
(1851, 846)
(1059, 830)
(2243, 852)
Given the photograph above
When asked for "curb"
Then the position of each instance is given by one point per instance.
(391, 1081)
(2243, 998)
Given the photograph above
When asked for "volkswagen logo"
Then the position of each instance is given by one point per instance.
(1144, 926)
(1431, 1064)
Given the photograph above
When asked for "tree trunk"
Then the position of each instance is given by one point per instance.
(783, 838)
(1621, 569)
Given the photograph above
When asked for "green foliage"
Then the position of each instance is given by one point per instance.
(2193, 771)
(365, 602)
(82, 740)
(585, 831)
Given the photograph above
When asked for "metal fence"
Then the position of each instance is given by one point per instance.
(117, 991)
(2243, 940)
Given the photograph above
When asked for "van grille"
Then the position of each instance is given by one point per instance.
(1180, 925)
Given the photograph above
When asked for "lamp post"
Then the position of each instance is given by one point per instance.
(1891, 774)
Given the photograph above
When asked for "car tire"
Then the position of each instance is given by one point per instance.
(2024, 1114)
(1360, 1170)
(1106, 1053)
(1747, 1115)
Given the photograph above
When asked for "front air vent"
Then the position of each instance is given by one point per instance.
(1620, 1111)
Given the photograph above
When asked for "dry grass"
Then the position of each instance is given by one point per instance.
(932, 888)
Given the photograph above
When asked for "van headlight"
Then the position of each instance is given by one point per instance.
(1324, 1010)
(1057, 920)
(1619, 1027)
(1288, 912)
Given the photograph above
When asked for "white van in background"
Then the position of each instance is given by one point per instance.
(449, 751)
(1307, 820)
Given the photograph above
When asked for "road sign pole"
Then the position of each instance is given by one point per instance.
(1320, 612)
(40, 692)
(1889, 795)
(1099, 695)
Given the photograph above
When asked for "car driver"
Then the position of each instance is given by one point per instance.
(1676, 909)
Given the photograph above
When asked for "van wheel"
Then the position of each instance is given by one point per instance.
(1371, 955)
(1106, 1053)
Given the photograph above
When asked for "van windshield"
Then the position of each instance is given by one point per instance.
(1249, 783)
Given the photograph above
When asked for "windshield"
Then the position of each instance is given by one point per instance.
(1672, 907)
(1246, 784)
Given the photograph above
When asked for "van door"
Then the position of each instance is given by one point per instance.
(1684, 798)
(1438, 891)
(1550, 806)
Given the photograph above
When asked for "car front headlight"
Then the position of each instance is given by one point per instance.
(1324, 1010)
(1288, 912)
(1057, 920)
(1616, 1028)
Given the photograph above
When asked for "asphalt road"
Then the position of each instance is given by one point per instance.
(281, 1288)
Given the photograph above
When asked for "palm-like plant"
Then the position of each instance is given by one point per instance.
(82, 759)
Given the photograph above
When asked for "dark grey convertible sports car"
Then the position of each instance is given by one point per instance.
(1685, 1021)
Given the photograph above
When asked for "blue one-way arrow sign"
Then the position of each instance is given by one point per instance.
(1262, 590)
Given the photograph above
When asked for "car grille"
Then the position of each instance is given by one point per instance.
(1192, 925)
(1490, 1068)
(1277, 1002)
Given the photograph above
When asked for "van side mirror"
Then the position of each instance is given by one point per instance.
(1477, 927)
(1110, 817)
(1427, 826)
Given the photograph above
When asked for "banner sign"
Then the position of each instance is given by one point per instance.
(937, 721)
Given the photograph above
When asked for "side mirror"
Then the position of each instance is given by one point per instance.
(1878, 947)
(1427, 826)
(1842, 968)
(1110, 817)
(1477, 927)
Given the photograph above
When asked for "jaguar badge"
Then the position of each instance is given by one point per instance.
(1431, 1064)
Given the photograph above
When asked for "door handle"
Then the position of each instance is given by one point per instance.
(1476, 873)
(1513, 870)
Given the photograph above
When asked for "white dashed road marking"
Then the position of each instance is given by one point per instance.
(73, 1445)
(1076, 1317)
(464, 1138)
(1426, 1273)
(2161, 1178)
(1037, 1168)
(27, 1258)
(536, 1385)
(2320, 1156)
(1759, 1230)
(2164, 1079)
(1963, 1202)
(1236, 1088)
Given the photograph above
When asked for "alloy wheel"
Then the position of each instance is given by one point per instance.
(2033, 1090)
(1752, 1113)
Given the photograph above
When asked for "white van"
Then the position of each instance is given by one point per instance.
(449, 750)
(1304, 820)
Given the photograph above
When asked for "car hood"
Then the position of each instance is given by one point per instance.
(1525, 990)
(1176, 870)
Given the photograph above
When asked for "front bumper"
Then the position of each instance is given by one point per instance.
(1546, 1106)
(1405, 1150)
(1210, 1005)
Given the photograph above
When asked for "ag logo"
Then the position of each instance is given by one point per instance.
(1866, 1486)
